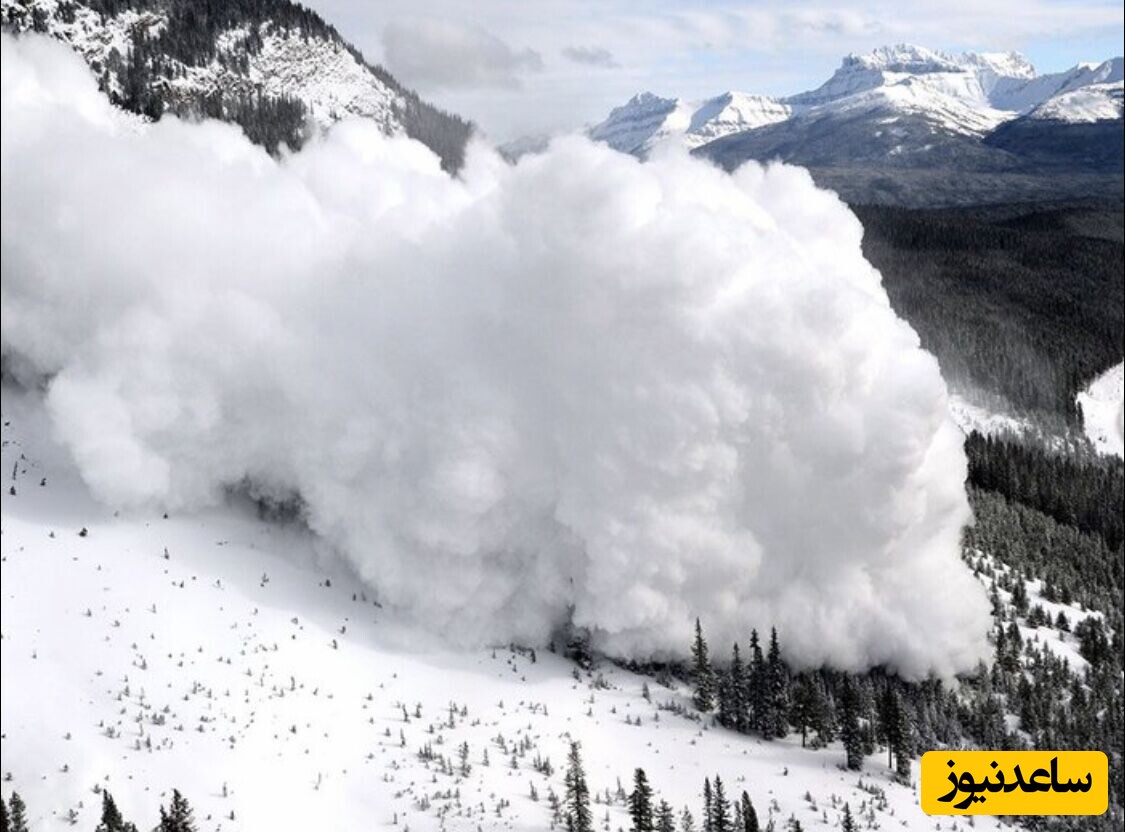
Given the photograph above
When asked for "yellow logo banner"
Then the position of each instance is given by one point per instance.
(1015, 783)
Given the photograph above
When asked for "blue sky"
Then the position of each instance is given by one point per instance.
(522, 67)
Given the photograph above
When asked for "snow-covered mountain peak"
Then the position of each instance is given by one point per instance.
(1001, 64)
(642, 120)
(970, 77)
(733, 112)
(647, 119)
(648, 101)
(909, 59)
(903, 57)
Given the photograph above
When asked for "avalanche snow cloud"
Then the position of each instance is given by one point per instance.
(578, 388)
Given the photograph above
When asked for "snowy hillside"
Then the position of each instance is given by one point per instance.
(1097, 102)
(319, 71)
(274, 73)
(217, 654)
(1104, 412)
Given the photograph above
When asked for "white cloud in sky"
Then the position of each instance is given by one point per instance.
(443, 54)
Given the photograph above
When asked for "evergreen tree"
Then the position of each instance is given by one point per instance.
(808, 710)
(702, 673)
(578, 815)
(640, 803)
(775, 722)
(900, 735)
(847, 822)
(720, 808)
(17, 813)
(755, 686)
(732, 701)
(708, 803)
(665, 818)
(112, 821)
(889, 721)
(4, 825)
(178, 816)
(850, 730)
(687, 822)
(749, 816)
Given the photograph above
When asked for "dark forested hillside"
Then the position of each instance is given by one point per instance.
(1086, 491)
(1023, 302)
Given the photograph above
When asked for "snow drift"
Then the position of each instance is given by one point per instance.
(580, 387)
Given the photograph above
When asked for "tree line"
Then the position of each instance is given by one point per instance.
(649, 813)
(177, 816)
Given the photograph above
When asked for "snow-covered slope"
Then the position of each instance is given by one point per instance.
(318, 70)
(272, 69)
(217, 654)
(1097, 102)
(1103, 411)
(1024, 96)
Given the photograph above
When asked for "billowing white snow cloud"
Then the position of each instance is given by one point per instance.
(578, 386)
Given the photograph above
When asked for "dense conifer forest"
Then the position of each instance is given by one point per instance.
(1025, 303)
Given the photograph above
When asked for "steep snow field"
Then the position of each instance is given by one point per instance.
(219, 654)
(1104, 411)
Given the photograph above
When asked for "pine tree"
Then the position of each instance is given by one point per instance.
(808, 709)
(776, 692)
(17, 813)
(897, 732)
(640, 803)
(4, 825)
(749, 816)
(178, 816)
(847, 822)
(755, 686)
(703, 674)
(687, 822)
(732, 702)
(888, 720)
(720, 808)
(904, 743)
(112, 821)
(578, 815)
(665, 817)
(708, 801)
(850, 730)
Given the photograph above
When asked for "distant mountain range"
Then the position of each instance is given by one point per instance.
(272, 66)
(903, 125)
(910, 125)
